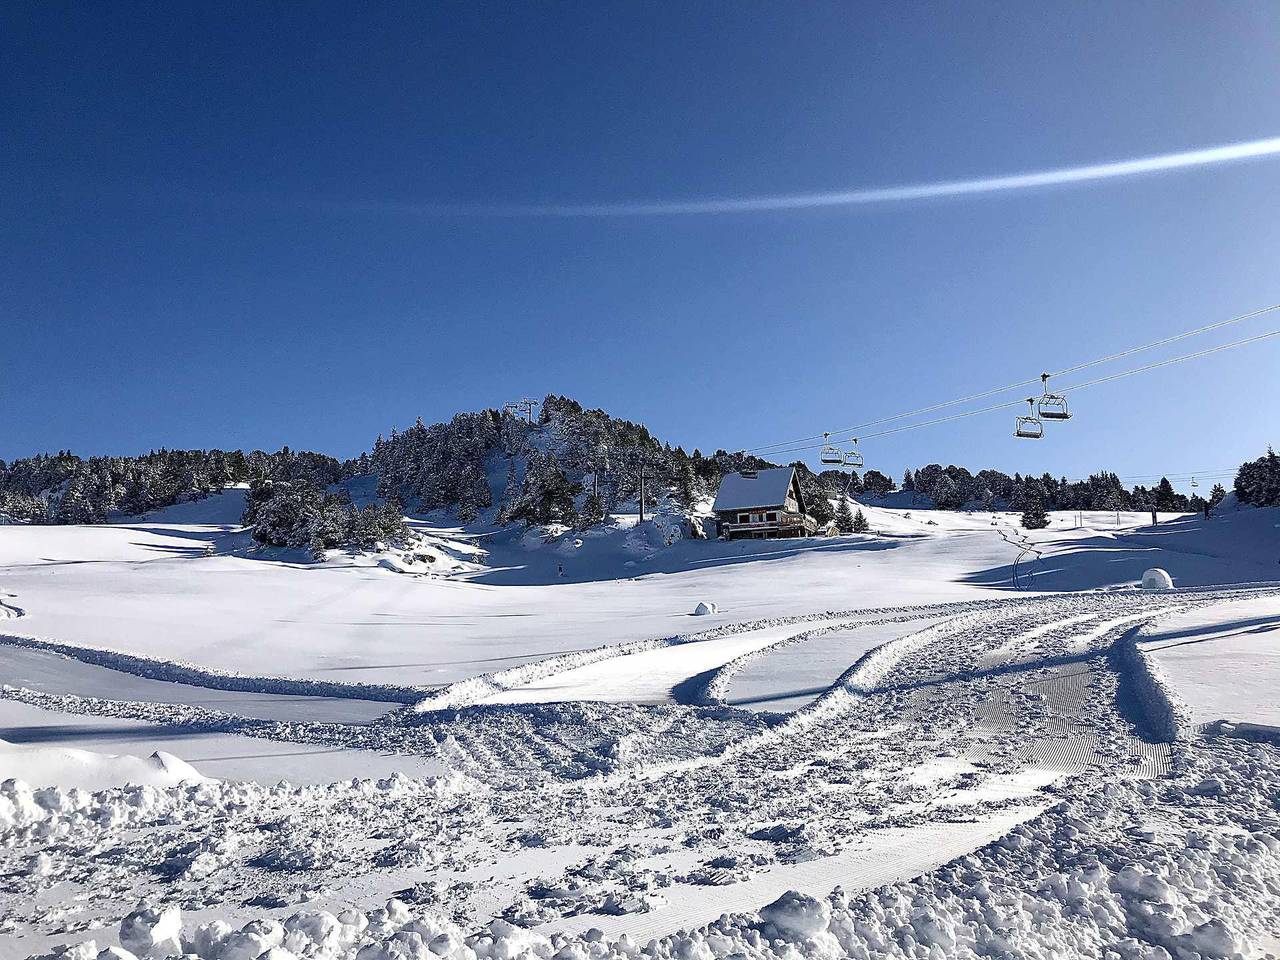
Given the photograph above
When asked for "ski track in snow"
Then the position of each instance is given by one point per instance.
(649, 818)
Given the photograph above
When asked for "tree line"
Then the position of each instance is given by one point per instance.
(64, 488)
(956, 488)
(573, 466)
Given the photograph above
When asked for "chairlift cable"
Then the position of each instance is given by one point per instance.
(1206, 328)
(1079, 386)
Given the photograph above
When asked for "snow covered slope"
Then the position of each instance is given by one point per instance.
(174, 592)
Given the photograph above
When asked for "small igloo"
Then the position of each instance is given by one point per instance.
(1157, 579)
(704, 609)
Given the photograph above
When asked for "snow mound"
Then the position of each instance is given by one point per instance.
(153, 932)
(83, 769)
(704, 609)
(799, 915)
(1157, 579)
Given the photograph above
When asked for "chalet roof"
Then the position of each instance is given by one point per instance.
(760, 488)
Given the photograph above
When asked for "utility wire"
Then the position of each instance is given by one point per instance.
(1071, 389)
(1207, 474)
(791, 444)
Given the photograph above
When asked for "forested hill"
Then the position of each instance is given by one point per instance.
(539, 471)
(533, 472)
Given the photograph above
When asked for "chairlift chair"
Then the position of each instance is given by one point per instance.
(829, 453)
(1052, 406)
(1195, 482)
(852, 456)
(1029, 427)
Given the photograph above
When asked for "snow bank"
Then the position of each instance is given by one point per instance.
(82, 769)
(1166, 716)
(176, 671)
(49, 811)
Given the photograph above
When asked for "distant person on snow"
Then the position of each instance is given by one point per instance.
(1154, 521)
(560, 569)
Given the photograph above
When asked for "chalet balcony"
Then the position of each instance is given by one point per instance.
(786, 527)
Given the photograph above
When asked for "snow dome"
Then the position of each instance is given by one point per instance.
(1157, 579)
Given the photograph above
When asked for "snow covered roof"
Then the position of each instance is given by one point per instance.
(757, 488)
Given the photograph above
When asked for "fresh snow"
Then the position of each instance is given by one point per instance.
(531, 748)
(1223, 661)
(85, 770)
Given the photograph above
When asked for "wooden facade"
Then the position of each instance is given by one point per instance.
(785, 518)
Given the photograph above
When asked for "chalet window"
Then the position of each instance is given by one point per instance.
(773, 517)
(744, 518)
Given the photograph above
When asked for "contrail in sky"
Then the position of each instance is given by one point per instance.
(1111, 170)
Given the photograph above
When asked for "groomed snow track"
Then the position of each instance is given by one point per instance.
(646, 819)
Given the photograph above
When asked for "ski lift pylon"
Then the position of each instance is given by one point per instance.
(1052, 406)
(1029, 427)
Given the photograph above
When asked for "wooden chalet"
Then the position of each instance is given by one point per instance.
(762, 503)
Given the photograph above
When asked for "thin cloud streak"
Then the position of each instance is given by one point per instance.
(1138, 166)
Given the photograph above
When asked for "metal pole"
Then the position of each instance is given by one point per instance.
(642, 494)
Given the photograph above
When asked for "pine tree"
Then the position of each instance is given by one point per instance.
(592, 511)
(1216, 495)
(510, 494)
(877, 484)
(1035, 517)
(1258, 482)
(326, 527)
(76, 505)
(946, 495)
(844, 516)
(363, 527)
(473, 495)
(860, 524)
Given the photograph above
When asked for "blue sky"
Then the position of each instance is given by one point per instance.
(254, 226)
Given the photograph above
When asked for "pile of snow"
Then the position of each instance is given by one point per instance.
(1157, 579)
(1095, 876)
(704, 609)
(85, 770)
